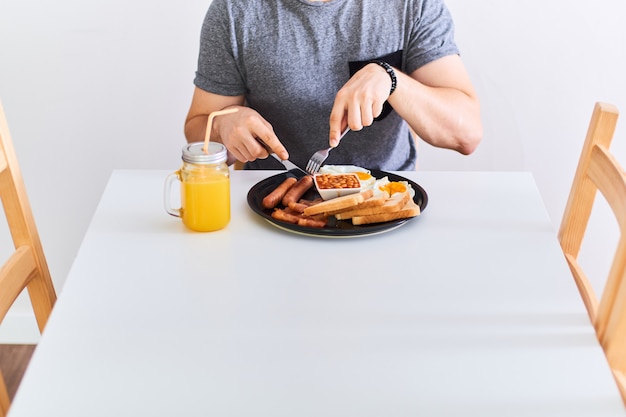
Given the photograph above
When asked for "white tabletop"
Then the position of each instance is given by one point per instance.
(467, 310)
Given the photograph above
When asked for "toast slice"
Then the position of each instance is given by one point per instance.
(338, 203)
(394, 203)
(410, 209)
(374, 201)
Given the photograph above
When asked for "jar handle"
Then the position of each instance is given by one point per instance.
(174, 176)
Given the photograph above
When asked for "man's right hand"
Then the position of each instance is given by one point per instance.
(240, 132)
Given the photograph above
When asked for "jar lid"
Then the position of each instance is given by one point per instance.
(193, 153)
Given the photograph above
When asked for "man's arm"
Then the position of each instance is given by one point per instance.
(437, 100)
(440, 104)
(238, 131)
(204, 103)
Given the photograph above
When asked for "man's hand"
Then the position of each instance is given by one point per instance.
(359, 101)
(241, 132)
(437, 100)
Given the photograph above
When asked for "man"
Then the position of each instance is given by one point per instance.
(302, 71)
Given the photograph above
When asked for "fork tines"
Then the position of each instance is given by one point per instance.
(315, 163)
(318, 158)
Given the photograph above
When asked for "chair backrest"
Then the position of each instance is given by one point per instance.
(27, 266)
(599, 170)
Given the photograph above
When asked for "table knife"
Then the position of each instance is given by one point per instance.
(288, 164)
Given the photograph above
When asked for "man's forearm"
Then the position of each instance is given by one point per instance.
(446, 113)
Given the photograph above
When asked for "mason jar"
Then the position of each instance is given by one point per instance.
(204, 188)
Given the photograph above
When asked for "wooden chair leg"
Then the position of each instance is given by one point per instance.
(5, 402)
(620, 378)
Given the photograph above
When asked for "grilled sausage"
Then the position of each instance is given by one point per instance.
(285, 216)
(272, 199)
(298, 207)
(317, 221)
(297, 191)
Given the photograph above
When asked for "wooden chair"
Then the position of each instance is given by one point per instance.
(598, 170)
(26, 267)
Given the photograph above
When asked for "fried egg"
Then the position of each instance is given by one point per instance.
(392, 187)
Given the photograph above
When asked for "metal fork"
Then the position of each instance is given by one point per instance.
(318, 158)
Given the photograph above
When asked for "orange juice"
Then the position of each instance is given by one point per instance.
(204, 188)
(206, 201)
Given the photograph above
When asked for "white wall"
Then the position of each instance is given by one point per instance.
(89, 87)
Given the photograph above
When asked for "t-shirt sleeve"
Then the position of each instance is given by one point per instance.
(432, 36)
(218, 70)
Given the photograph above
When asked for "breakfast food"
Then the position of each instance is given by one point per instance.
(298, 206)
(409, 210)
(288, 205)
(372, 200)
(327, 181)
(286, 215)
(392, 204)
(293, 216)
(338, 203)
(315, 221)
(272, 199)
(297, 190)
(365, 177)
(378, 199)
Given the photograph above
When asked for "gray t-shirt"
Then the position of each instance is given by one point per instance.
(290, 57)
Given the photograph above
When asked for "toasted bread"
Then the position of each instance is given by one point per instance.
(394, 203)
(338, 203)
(374, 201)
(409, 210)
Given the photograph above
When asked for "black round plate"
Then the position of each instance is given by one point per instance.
(335, 228)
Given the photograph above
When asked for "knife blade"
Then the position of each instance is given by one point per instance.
(288, 164)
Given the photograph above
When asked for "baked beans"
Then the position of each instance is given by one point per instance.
(329, 181)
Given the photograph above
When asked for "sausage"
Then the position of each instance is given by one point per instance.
(272, 199)
(297, 207)
(310, 202)
(297, 191)
(318, 221)
(285, 216)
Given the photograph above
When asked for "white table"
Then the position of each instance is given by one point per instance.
(468, 310)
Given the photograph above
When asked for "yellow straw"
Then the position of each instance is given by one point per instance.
(209, 126)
